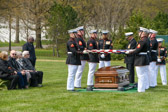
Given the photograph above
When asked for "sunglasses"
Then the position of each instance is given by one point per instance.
(14, 54)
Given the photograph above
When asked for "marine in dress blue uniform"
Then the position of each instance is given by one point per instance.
(105, 43)
(161, 62)
(84, 57)
(152, 66)
(141, 60)
(73, 60)
(93, 57)
(147, 80)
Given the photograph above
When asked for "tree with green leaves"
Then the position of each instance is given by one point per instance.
(61, 18)
(161, 23)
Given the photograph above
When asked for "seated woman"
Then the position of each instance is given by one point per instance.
(7, 73)
(27, 65)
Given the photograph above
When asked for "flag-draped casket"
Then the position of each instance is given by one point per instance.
(111, 77)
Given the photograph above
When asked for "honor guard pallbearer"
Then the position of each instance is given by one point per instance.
(161, 62)
(93, 57)
(129, 58)
(141, 60)
(105, 43)
(141, 30)
(84, 57)
(152, 65)
(73, 60)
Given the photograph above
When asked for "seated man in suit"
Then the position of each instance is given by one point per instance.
(27, 65)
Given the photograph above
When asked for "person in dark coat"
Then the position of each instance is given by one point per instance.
(30, 47)
(14, 65)
(73, 60)
(92, 44)
(7, 73)
(129, 58)
(105, 43)
(36, 76)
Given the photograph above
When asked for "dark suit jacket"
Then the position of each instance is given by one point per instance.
(130, 57)
(30, 47)
(5, 70)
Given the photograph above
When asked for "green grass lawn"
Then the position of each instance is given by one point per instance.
(21, 43)
(53, 97)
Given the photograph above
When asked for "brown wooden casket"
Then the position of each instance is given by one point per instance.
(111, 77)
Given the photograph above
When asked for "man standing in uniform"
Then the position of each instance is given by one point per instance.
(152, 66)
(141, 60)
(148, 54)
(105, 43)
(161, 63)
(30, 47)
(73, 60)
(93, 57)
(84, 57)
(129, 58)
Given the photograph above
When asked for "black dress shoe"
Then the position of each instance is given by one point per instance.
(77, 87)
(71, 90)
(152, 86)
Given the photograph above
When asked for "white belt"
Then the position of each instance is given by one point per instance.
(154, 50)
(143, 53)
(69, 52)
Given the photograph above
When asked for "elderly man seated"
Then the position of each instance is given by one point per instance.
(14, 65)
(7, 73)
(20, 62)
(28, 66)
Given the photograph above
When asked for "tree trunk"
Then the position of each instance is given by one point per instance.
(53, 50)
(38, 33)
(10, 21)
(17, 30)
(57, 48)
(27, 33)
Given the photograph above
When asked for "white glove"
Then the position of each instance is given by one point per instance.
(159, 60)
(102, 56)
(127, 52)
(85, 52)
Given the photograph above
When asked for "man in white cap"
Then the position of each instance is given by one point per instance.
(73, 60)
(152, 66)
(141, 60)
(93, 58)
(129, 58)
(84, 57)
(146, 31)
(161, 63)
(105, 43)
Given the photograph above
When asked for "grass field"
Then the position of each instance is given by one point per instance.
(53, 97)
(6, 44)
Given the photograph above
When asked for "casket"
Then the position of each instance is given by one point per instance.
(111, 77)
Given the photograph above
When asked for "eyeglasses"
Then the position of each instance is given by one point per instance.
(14, 54)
